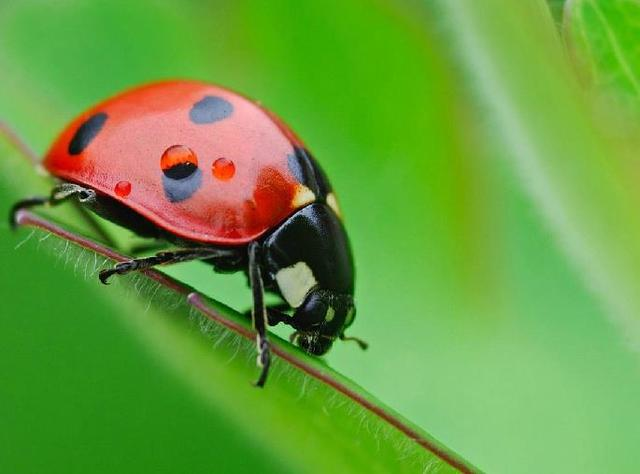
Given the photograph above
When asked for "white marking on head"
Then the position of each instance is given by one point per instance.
(331, 313)
(303, 196)
(349, 318)
(295, 282)
(333, 204)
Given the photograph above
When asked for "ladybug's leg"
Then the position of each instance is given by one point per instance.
(60, 193)
(25, 150)
(25, 204)
(259, 312)
(275, 314)
(164, 258)
(154, 246)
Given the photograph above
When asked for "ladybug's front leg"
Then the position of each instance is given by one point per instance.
(259, 312)
(276, 314)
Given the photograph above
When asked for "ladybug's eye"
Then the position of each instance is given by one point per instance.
(178, 162)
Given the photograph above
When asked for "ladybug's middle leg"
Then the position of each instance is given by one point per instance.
(164, 258)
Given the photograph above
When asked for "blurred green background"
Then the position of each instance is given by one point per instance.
(483, 331)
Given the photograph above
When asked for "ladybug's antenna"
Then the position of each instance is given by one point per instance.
(363, 345)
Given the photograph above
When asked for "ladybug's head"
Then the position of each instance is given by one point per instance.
(324, 316)
(308, 260)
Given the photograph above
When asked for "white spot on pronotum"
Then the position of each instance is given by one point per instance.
(330, 314)
(295, 282)
(333, 204)
(303, 196)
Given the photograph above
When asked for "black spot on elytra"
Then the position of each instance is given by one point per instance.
(210, 109)
(307, 171)
(86, 133)
(180, 189)
(180, 171)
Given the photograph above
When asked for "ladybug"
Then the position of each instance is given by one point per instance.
(224, 181)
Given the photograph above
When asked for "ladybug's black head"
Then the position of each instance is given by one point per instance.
(307, 259)
(323, 317)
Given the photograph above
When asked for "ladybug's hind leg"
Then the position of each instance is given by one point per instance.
(259, 313)
(59, 193)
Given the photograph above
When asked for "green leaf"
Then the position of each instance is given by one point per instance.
(604, 36)
(305, 402)
(557, 9)
(482, 330)
(583, 184)
(308, 418)
(90, 53)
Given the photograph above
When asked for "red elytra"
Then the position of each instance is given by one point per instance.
(129, 139)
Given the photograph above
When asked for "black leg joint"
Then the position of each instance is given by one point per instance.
(120, 268)
(264, 361)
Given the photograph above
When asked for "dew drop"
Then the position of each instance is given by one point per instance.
(223, 169)
(178, 162)
(123, 189)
